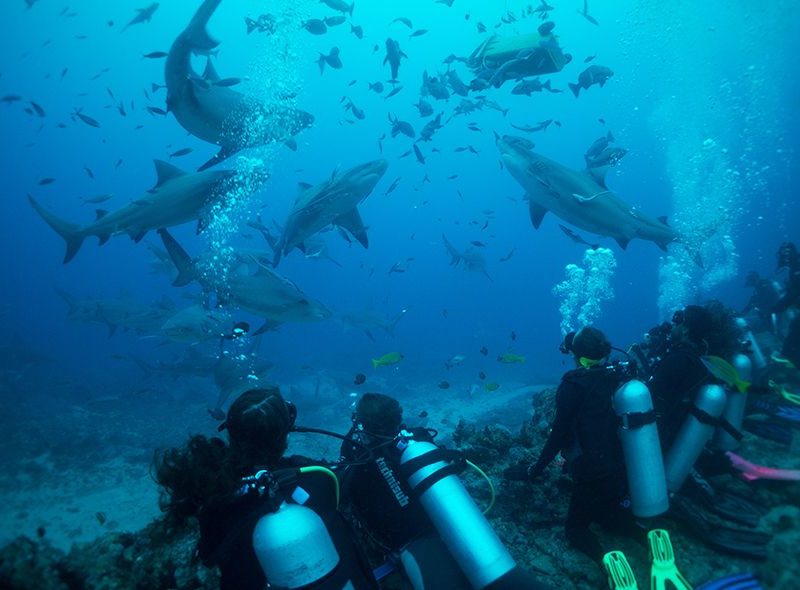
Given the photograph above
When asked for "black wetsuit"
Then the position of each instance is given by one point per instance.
(791, 298)
(585, 431)
(226, 536)
(674, 384)
(384, 505)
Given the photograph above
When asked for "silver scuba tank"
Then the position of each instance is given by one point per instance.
(696, 431)
(462, 526)
(644, 464)
(734, 406)
(759, 362)
(293, 547)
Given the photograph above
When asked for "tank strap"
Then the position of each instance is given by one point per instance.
(435, 478)
(409, 468)
(705, 418)
(636, 420)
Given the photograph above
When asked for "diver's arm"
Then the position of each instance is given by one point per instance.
(567, 404)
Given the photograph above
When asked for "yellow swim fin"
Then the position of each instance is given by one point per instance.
(663, 569)
(620, 574)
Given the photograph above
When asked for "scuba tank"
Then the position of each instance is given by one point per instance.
(734, 410)
(294, 548)
(292, 543)
(759, 362)
(460, 523)
(641, 447)
(695, 432)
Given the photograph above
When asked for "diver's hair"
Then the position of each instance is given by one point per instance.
(712, 329)
(208, 471)
(591, 343)
(200, 473)
(724, 339)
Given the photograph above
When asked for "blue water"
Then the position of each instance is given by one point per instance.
(704, 98)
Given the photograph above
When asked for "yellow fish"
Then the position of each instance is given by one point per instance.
(386, 360)
(725, 372)
(491, 386)
(510, 358)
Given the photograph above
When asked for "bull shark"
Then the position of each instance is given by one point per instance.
(334, 201)
(581, 198)
(264, 293)
(217, 114)
(176, 198)
(194, 324)
(470, 259)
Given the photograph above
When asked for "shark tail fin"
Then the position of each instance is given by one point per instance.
(576, 88)
(393, 323)
(72, 234)
(186, 268)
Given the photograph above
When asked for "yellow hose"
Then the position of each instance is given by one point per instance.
(489, 481)
(326, 471)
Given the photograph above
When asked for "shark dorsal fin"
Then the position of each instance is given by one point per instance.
(99, 214)
(303, 186)
(166, 171)
(210, 73)
(663, 219)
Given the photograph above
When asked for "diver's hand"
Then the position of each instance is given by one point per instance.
(522, 472)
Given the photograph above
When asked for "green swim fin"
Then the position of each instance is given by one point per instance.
(663, 570)
(620, 574)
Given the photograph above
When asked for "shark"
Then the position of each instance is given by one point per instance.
(581, 198)
(369, 321)
(264, 293)
(178, 197)
(332, 202)
(470, 259)
(143, 15)
(208, 109)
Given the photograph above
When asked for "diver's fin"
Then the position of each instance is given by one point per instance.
(778, 432)
(664, 573)
(745, 581)
(727, 505)
(752, 471)
(620, 574)
(743, 542)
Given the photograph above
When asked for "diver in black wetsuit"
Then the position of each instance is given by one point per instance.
(696, 331)
(789, 259)
(585, 432)
(376, 489)
(766, 294)
(381, 500)
(246, 497)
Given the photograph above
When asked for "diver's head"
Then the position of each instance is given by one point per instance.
(258, 424)
(787, 255)
(379, 414)
(589, 346)
(712, 328)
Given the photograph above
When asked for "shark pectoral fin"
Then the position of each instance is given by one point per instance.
(102, 239)
(210, 73)
(138, 237)
(202, 224)
(623, 242)
(223, 154)
(302, 247)
(267, 326)
(291, 143)
(663, 219)
(166, 172)
(352, 222)
(598, 174)
(537, 213)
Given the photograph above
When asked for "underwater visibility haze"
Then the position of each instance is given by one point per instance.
(418, 198)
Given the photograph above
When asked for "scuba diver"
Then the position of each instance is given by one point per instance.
(696, 419)
(759, 308)
(404, 494)
(696, 332)
(789, 259)
(265, 519)
(585, 432)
